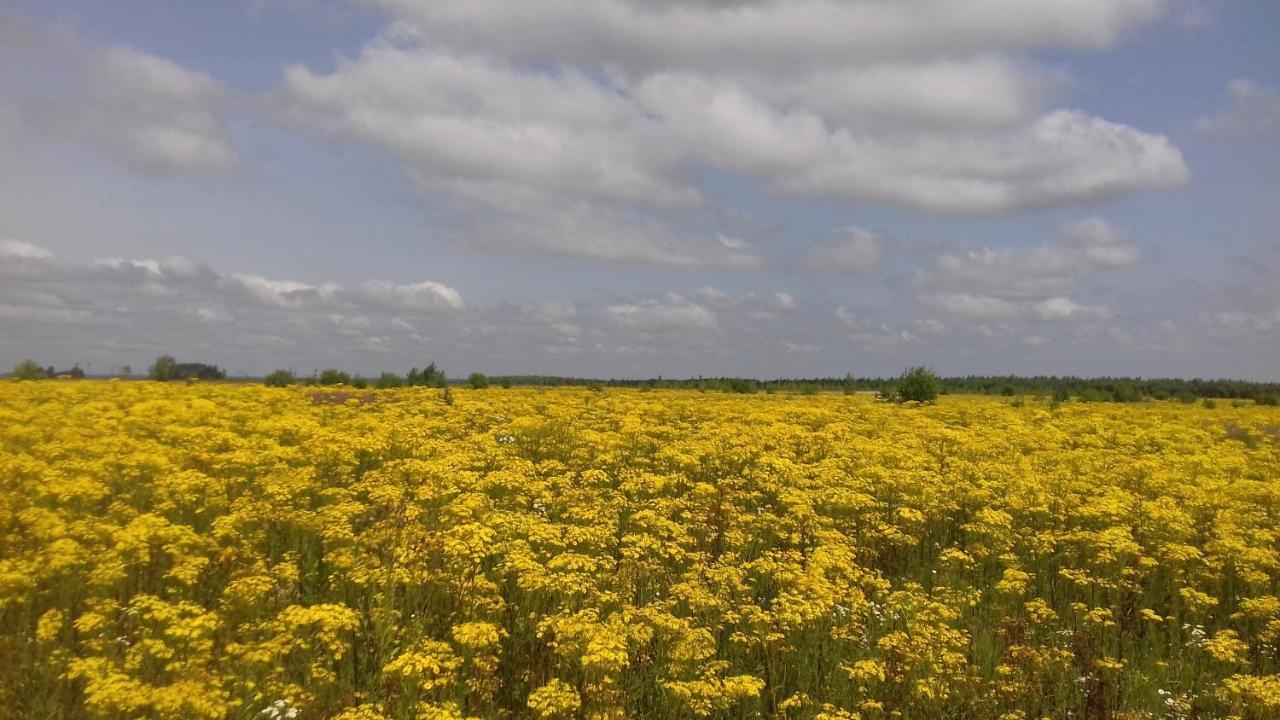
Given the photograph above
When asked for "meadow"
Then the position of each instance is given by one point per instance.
(206, 550)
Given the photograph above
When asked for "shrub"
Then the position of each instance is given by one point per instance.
(389, 380)
(431, 376)
(477, 381)
(1094, 395)
(28, 370)
(1272, 400)
(1125, 393)
(279, 378)
(1209, 403)
(164, 368)
(334, 377)
(919, 384)
(849, 386)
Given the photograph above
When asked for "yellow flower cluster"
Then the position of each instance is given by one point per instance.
(234, 551)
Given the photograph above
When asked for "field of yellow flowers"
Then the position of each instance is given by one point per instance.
(235, 551)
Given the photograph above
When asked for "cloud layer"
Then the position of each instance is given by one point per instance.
(143, 110)
(589, 130)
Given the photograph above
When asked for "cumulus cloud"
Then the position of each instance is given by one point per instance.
(18, 250)
(139, 308)
(713, 35)
(870, 334)
(152, 113)
(588, 130)
(670, 312)
(1254, 109)
(154, 305)
(129, 311)
(847, 250)
(1029, 283)
(144, 110)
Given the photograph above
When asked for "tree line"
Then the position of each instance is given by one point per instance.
(920, 383)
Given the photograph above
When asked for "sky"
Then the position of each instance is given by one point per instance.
(634, 188)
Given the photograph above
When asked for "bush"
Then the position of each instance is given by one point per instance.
(389, 380)
(164, 368)
(1271, 400)
(1126, 393)
(28, 370)
(1094, 395)
(477, 381)
(849, 385)
(919, 384)
(359, 382)
(1209, 403)
(334, 377)
(431, 376)
(279, 378)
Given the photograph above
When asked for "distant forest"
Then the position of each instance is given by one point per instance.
(1061, 388)
(1099, 389)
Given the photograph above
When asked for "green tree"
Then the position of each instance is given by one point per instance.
(28, 370)
(1126, 393)
(280, 378)
(164, 368)
(919, 384)
(431, 376)
(389, 380)
(331, 376)
(477, 381)
(849, 385)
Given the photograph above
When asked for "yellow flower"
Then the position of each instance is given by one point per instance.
(556, 699)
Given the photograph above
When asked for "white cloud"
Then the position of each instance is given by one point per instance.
(144, 110)
(975, 93)
(474, 118)
(1255, 109)
(415, 296)
(578, 129)
(18, 250)
(1101, 243)
(869, 334)
(1248, 322)
(669, 312)
(283, 293)
(1063, 158)
(847, 250)
(714, 35)
(155, 113)
(1064, 308)
(1033, 283)
(971, 305)
(594, 230)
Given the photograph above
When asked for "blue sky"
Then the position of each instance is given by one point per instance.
(763, 187)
